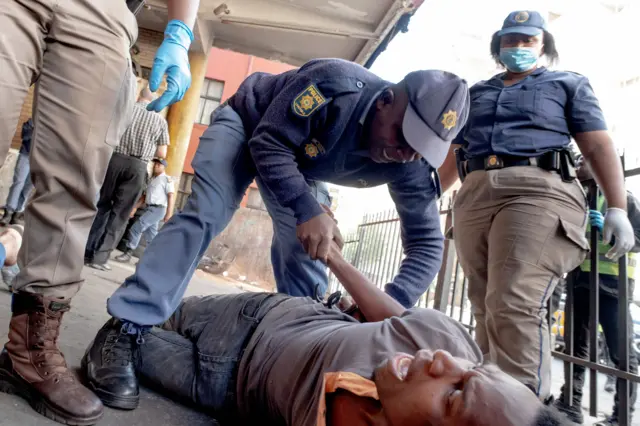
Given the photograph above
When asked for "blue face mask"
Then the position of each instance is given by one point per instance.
(518, 59)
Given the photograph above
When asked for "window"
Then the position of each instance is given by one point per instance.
(209, 100)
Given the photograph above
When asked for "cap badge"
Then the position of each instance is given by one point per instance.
(307, 102)
(450, 119)
(522, 17)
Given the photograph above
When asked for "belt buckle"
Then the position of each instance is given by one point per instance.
(493, 162)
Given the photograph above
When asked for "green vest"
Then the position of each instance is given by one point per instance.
(606, 266)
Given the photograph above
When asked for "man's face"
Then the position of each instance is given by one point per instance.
(436, 389)
(158, 168)
(386, 139)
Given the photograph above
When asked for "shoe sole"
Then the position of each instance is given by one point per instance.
(10, 385)
(109, 399)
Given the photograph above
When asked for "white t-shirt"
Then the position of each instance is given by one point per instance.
(158, 190)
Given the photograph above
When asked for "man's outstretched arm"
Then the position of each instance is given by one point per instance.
(374, 303)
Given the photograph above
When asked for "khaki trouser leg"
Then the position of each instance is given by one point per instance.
(21, 49)
(83, 100)
(536, 235)
(472, 231)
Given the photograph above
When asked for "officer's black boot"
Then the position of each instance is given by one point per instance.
(109, 365)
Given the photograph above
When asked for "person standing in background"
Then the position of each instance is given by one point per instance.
(21, 186)
(520, 214)
(147, 136)
(77, 53)
(608, 311)
(160, 200)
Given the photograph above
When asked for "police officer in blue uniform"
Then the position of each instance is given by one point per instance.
(330, 120)
(521, 213)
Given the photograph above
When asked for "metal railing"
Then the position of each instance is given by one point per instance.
(376, 250)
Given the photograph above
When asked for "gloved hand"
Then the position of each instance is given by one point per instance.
(616, 224)
(171, 59)
(596, 219)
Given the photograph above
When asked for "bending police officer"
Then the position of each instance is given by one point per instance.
(330, 120)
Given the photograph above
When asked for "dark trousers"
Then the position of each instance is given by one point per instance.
(121, 190)
(195, 356)
(609, 321)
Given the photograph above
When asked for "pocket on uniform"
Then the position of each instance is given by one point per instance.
(121, 115)
(575, 233)
(567, 250)
(552, 102)
(529, 100)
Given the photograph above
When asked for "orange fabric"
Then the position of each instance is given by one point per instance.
(351, 382)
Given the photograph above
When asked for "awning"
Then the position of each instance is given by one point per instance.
(293, 31)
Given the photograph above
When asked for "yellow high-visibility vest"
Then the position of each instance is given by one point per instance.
(605, 265)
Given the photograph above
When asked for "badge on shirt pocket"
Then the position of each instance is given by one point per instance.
(314, 149)
(308, 101)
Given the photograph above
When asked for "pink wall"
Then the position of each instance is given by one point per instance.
(231, 68)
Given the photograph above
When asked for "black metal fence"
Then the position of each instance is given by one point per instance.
(376, 250)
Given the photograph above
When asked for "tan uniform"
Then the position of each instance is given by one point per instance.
(518, 230)
(77, 53)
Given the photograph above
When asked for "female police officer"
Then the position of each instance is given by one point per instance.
(520, 215)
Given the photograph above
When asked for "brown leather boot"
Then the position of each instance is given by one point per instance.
(32, 366)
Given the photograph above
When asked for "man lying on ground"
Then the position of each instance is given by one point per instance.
(274, 359)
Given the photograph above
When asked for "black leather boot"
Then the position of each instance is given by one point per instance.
(109, 365)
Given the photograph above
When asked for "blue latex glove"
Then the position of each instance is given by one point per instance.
(596, 219)
(172, 59)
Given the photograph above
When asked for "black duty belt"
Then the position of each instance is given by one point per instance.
(135, 6)
(156, 205)
(558, 161)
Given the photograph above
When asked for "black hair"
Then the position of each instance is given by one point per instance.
(549, 49)
(550, 416)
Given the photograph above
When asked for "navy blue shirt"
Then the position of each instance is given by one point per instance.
(538, 114)
(308, 124)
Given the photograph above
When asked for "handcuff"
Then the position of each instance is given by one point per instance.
(334, 299)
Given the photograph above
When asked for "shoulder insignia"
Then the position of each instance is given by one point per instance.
(307, 102)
